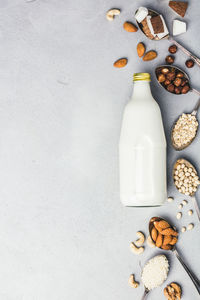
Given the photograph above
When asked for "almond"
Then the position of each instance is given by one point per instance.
(156, 224)
(166, 247)
(159, 240)
(120, 63)
(169, 231)
(163, 224)
(154, 234)
(173, 241)
(130, 27)
(167, 239)
(141, 49)
(150, 55)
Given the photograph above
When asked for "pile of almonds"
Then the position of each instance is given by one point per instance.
(172, 80)
(186, 179)
(184, 130)
(163, 234)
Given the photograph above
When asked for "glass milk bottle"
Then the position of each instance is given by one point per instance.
(142, 148)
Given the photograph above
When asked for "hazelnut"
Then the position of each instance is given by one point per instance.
(161, 78)
(177, 81)
(169, 59)
(167, 82)
(185, 89)
(165, 71)
(171, 76)
(173, 49)
(170, 88)
(189, 63)
(177, 89)
(184, 81)
(180, 75)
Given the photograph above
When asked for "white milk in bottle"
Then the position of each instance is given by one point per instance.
(142, 148)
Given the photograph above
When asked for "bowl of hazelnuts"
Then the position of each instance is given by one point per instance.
(173, 79)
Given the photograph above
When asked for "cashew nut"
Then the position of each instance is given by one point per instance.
(132, 281)
(110, 15)
(135, 249)
(150, 242)
(141, 239)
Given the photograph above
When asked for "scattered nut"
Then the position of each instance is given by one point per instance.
(183, 229)
(173, 291)
(150, 55)
(110, 15)
(179, 215)
(132, 281)
(169, 59)
(190, 226)
(180, 206)
(130, 27)
(135, 249)
(170, 199)
(141, 239)
(173, 49)
(150, 242)
(140, 49)
(189, 63)
(120, 63)
(184, 202)
(190, 212)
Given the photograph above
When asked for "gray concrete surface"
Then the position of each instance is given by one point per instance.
(64, 234)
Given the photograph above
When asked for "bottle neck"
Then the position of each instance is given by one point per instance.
(141, 89)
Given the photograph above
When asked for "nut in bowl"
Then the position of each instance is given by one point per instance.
(162, 233)
(173, 79)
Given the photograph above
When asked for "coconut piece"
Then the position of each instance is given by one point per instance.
(179, 27)
(146, 29)
(179, 7)
(141, 14)
(157, 24)
(166, 32)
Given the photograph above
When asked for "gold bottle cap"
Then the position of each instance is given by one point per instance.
(141, 77)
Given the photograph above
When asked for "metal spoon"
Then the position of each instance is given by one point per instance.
(192, 195)
(168, 37)
(147, 290)
(174, 250)
(193, 113)
(176, 69)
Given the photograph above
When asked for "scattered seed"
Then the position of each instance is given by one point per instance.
(170, 199)
(184, 202)
(180, 206)
(190, 226)
(179, 215)
(190, 212)
(183, 229)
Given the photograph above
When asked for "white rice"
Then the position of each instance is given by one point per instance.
(155, 272)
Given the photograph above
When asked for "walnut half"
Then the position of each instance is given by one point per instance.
(173, 291)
